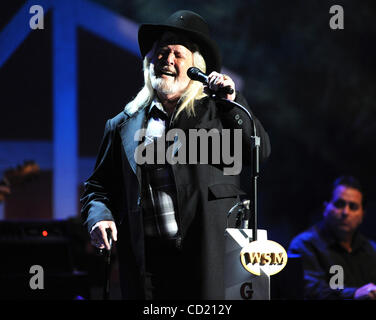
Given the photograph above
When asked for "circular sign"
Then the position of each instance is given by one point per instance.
(263, 255)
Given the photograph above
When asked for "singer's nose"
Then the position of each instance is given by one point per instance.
(170, 59)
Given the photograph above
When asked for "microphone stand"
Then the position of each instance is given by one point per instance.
(255, 162)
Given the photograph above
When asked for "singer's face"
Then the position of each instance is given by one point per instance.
(168, 70)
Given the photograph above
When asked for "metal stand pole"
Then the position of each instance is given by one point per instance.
(255, 164)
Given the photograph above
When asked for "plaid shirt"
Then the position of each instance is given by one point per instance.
(159, 197)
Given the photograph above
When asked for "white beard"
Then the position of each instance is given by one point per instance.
(164, 86)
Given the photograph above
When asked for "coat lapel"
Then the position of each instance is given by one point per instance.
(128, 130)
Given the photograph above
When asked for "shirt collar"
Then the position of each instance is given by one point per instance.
(157, 109)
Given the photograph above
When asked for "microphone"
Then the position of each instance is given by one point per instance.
(197, 75)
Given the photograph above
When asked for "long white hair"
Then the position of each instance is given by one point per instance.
(186, 102)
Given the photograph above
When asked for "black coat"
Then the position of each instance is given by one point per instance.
(205, 195)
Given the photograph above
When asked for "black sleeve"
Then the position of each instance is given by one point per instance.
(97, 196)
(234, 117)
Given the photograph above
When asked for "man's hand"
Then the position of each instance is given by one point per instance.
(217, 80)
(368, 292)
(98, 234)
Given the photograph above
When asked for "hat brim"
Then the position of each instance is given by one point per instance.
(149, 33)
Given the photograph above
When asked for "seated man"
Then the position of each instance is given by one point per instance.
(338, 261)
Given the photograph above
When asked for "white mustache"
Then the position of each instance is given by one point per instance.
(167, 71)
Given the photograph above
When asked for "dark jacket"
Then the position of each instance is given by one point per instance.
(205, 195)
(321, 254)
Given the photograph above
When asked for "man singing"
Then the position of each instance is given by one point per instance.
(168, 220)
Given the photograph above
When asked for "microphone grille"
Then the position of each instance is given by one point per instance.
(193, 73)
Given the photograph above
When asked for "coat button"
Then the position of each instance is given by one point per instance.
(240, 121)
(237, 117)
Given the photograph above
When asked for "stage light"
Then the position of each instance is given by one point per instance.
(44, 233)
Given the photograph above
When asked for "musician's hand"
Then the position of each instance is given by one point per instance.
(217, 80)
(98, 234)
(368, 292)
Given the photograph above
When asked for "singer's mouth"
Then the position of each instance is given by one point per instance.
(167, 73)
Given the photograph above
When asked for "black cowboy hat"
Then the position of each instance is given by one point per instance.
(192, 26)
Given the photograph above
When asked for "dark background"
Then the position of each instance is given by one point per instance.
(313, 88)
